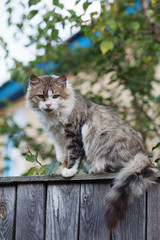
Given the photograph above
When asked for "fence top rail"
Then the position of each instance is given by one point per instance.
(58, 178)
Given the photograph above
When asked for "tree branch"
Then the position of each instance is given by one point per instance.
(36, 159)
(155, 28)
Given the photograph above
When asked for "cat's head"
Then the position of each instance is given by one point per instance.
(48, 94)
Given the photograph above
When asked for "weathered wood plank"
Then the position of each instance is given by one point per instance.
(153, 214)
(74, 210)
(7, 212)
(58, 178)
(30, 216)
(132, 227)
(92, 225)
(62, 212)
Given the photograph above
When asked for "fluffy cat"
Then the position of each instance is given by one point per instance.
(81, 129)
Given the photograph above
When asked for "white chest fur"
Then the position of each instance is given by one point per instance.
(56, 131)
(52, 123)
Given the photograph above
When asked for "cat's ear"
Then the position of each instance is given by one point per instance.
(34, 80)
(61, 80)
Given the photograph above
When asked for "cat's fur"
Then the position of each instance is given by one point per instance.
(81, 129)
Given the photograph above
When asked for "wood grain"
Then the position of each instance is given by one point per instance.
(62, 212)
(92, 225)
(30, 216)
(153, 214)
(7, 212)
(132, 227)
(71, 209)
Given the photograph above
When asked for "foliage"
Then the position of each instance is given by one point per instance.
(125, 41)
(21, 137)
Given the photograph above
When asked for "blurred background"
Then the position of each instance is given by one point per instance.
(109, 50)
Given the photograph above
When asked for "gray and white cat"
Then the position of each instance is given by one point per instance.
(81, 129)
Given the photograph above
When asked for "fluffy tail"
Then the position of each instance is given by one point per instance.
(129, 184)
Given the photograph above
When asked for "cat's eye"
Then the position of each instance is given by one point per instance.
(55, 96)
(40, 96)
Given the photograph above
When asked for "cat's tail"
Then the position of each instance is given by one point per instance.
(129, 184)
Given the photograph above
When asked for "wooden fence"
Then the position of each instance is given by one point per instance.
(53, 208)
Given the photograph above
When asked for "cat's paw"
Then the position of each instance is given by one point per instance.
(68, 172)
(93, 170)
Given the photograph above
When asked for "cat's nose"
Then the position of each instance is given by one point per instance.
(48, 105)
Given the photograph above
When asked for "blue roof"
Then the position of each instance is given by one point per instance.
(11, 91)
(80, 41)
(137, 7)
(47, 67)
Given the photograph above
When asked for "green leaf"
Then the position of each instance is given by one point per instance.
(157, 160)
(47, 16)
(112, 24)
(150, 155)
(35, 156)
(157, 146)
(72, 12)
(20, 25)
(52, 167)
(158, 99)
(8, 2)
(33, 2)
(49, 167)
(9, 10)
(31, 158)
(77, 1)
(31, 171)
(32, 14)
(42, 170)
(106, 45)
(136, 26)
(6, 102)
(55, 167)
(86, 5)
(58, 4)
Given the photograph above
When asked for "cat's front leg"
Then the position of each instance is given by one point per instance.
(61, 153)
(75, 156)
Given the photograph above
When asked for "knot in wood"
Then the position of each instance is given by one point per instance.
(85, 197)
(3, 211)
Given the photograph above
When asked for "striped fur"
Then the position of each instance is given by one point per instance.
(81, 129)
(131, 182)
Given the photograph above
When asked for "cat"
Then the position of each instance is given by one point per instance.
(81, 129)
